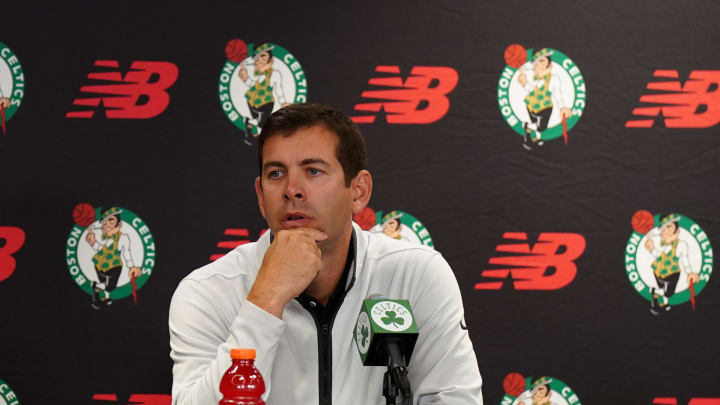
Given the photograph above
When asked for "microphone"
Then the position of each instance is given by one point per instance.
(385, 335)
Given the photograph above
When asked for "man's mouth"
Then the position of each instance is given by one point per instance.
(295, 219)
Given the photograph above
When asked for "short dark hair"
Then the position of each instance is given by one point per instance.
(350, 150)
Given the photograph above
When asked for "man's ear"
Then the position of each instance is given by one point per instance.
(259, 193)
(361, 187)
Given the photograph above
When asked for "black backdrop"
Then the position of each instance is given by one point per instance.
(188, 174)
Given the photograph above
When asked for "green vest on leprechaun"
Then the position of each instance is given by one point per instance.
(108, 257)
(261, 92)
(539, 98)
(667, 264)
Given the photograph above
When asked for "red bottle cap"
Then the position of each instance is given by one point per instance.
(242, 354)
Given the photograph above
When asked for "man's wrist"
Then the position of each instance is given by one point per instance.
(268, 304)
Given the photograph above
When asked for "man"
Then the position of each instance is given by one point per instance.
(111, 251)
(542, 94)
(295, 294)
(263, 89)
(670, 260)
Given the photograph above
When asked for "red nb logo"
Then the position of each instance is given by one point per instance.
(137, 399)
(232, 244)
(696, 104)
(530, 268)
(12, 239)
(421, 99)
(127, 91)
(693, 401)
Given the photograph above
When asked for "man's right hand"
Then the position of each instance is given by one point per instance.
(291, 263)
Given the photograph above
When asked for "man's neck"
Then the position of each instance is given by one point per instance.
(334, 259)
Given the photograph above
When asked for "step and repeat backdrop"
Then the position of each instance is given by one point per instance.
(563, 156)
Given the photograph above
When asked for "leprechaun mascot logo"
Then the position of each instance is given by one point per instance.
(395, 224)
(541, 94)
(256, 81)
(110, 254)
(545, 390)
(668, 259)
(12, 85)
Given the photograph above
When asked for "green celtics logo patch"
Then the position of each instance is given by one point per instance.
(541, 94)
(12, 85)
(257, 80)
(395, 224)
(521, 390)
(668, 259)
(7, 396)
(110, 254)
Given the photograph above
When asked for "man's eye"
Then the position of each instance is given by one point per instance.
(313, 171)
(274, 174)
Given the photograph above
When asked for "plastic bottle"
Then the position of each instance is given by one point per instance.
(242, 383)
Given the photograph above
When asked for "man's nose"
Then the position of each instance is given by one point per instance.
(294, 188)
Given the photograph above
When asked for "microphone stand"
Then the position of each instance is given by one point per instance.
(395, 381)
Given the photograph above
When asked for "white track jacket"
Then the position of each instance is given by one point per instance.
(304, 362)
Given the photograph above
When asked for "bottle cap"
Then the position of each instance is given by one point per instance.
(242, 354)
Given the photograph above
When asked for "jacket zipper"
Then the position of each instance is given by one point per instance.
(325, 338)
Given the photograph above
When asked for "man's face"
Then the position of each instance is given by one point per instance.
(668, 233)
(302, 184)
(262, 62)
(539, 397)
(541, 66)
(110, 226)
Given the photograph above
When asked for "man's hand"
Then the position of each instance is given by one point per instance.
(693, 278)
(90, 237)
(4, 102)
(566, 112)
(290, 264)
(243, 74)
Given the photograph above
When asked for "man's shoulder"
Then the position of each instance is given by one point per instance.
(380, 246)
(241, 262)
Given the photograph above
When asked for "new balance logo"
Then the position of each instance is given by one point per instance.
(696, 104)
(530, 267)
(693, 401)
(420, 99)
(11, 240)
(133, 96)
(136, 399)
(240, 237)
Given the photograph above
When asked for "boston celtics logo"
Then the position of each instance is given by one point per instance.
(541, 94)
(12, 85)
(110, 254)
(255, 81)
(391, 316)
(395, 224)
(362, 332)
(668, 259)
(545, 390)
(7, 396)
